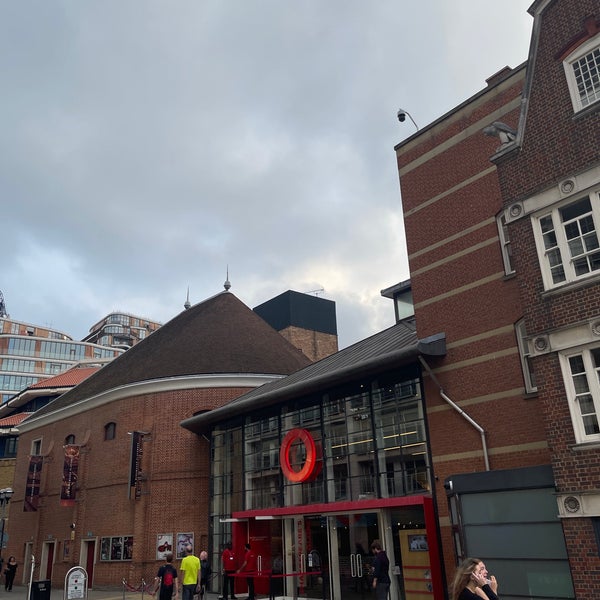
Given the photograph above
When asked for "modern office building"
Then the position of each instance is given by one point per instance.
(120, 330)
(30, 353)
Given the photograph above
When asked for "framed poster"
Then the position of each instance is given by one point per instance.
(183, 539)
(164, 545)
(418, 543)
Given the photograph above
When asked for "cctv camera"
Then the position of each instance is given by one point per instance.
(72, 525)
(401, 116)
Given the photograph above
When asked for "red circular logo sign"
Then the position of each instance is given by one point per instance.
(312, 464)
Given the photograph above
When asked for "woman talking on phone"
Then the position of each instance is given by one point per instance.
(471, 582)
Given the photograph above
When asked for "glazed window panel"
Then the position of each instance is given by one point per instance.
(567, 241)
(505, 245)
(402, 455)
(261, 460)
(581, 374)
(227, 467)
(582, 69)
(525, 356)
(110, 431)
(21, 347)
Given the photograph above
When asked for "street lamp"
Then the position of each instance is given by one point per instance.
(5, 496)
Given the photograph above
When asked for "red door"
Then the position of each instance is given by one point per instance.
(89, 561)
(49, 561)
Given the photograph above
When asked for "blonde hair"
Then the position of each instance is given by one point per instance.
(462, 575)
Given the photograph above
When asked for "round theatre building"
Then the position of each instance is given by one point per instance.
(310, 469)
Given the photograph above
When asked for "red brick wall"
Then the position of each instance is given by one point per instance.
(175, 497)
(557, 145)
(481, 371)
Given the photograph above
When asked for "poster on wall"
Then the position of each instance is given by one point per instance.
(32, 486)
(418, 543)
(164, 545)
(69, 480)
(183, 539)
(66, 549)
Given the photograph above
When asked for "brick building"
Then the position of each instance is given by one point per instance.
(502, 208)
(106, 478)
(550, 181)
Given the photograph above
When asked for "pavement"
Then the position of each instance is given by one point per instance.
(116, 593)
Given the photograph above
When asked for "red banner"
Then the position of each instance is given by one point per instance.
(69, 480)
(32, 487)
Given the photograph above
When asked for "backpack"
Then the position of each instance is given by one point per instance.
(167, 579)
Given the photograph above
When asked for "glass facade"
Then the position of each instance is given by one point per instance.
(370, 438)
(308, 481)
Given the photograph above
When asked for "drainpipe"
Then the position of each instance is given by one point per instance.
(460, 411)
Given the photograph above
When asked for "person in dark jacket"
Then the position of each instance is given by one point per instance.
(205, 573)
(381, 571)
(9, 573)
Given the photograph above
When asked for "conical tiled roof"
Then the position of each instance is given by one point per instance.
(218, 336)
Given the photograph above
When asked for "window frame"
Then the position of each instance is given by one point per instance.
(525, 356)
(593, 381)
(110, 431)
(36, 447)
(562, 243)
(505, 244)
(589, 47)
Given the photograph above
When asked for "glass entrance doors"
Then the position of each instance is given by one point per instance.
(330, 554)
(352, 537)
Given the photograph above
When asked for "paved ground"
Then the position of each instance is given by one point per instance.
(20, 593)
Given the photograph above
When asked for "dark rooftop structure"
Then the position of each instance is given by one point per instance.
(299, 310)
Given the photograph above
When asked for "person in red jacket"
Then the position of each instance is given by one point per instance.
(228, 562)
(249, 566)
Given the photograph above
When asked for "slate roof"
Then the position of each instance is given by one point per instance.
(218, 336)
(393, 347)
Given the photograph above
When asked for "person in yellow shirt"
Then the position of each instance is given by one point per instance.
(190, 567)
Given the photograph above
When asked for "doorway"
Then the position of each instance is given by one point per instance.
(88, 558)
(47, 561)
(330, 554)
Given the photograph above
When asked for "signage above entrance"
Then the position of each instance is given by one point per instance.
(312, 463)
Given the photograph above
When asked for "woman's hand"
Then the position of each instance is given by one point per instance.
(478, 579)
(494, 584)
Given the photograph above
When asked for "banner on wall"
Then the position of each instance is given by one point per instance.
(135, 469)
(69, 480)
(32, 487)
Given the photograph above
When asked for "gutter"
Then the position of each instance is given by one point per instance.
(460, 411)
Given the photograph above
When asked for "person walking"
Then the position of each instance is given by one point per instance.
(249, 566)
(166, 578)
(381, 571)
(9, 573)
(190, 567)
(205, 573)
(228, 563)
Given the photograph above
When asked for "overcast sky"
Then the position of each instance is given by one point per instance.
(146, 146)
